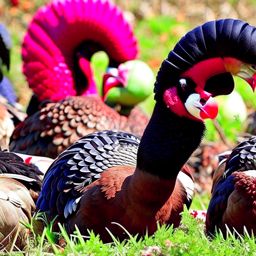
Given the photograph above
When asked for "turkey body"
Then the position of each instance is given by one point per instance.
(105, 161)
(16, 206)
(203, 162)
(20, 184)
(138, 197)
(232, 205)
(62, 77)
(58, 125)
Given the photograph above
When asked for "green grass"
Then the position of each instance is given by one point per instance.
(188, 239)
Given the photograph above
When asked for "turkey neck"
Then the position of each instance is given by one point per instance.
(168, 142)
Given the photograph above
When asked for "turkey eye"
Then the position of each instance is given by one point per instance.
(183, 84)
(186, 87)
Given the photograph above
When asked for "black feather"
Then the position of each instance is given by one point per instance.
(10, 163)
(81, 164)
(243, 157)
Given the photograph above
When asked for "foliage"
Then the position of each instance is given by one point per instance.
(246, 92)
(232, 126)
(157, 36)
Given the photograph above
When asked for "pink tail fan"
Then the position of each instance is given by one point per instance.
(59, 29)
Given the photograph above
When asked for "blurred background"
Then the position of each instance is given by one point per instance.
(158, 25)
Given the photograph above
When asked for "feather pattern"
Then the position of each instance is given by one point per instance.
(20, 184)
(13, 164)
(233, 201)
(16, 206)
(83, 163)
(58, 125)
(138, 197)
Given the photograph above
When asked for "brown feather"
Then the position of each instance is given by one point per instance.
(6, 127)
(16, 206)
(137, 120)
(233, 202)
(143, 196)
(58, 125)
(241, 206)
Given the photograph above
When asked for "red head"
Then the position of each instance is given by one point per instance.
(219, 48)
(193, 97)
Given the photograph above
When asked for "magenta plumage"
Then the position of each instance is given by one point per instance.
(57, 30)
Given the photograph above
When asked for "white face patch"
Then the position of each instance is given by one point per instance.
(201, 107)
(193, 105)
(187, 183)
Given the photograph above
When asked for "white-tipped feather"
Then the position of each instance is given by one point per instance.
(251, 173)
(187, 183)
(41, 162)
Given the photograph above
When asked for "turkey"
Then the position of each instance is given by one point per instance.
(232, 204)
(204, 162)
(20, 184)
(97, 182)
(57, 50)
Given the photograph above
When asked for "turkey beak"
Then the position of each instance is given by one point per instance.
(209, 109)
(110, 80)
(114, 77)
(201, 107)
